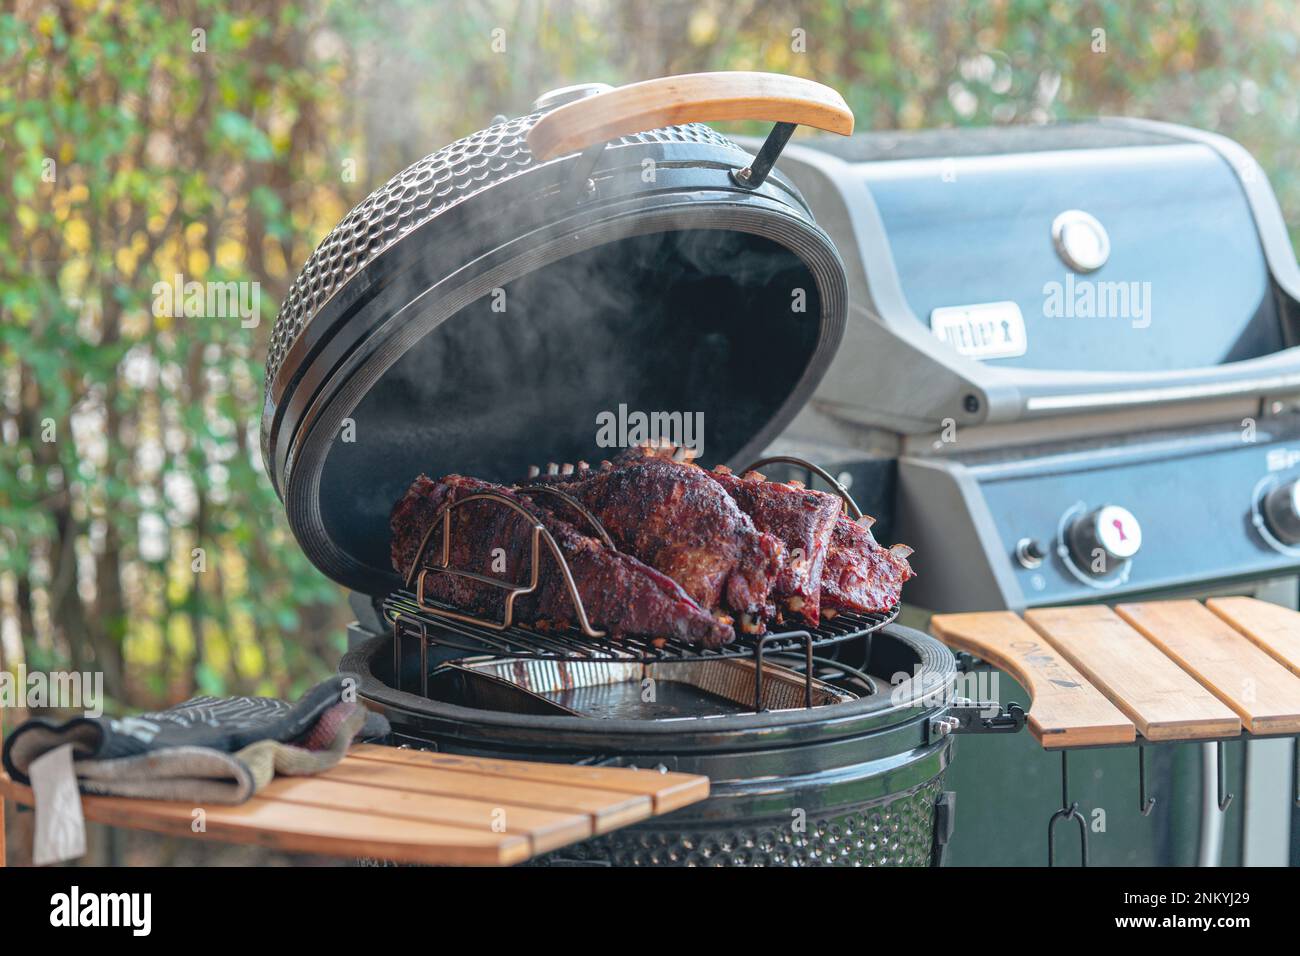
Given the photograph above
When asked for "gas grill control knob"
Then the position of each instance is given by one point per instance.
(1103, 539)
(1282, 511)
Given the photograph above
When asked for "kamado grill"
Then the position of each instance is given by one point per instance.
(878, 306)
(475, 315)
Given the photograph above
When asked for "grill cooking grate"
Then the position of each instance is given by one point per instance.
(410, 622)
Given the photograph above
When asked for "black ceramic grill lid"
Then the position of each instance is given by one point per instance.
(477, 312)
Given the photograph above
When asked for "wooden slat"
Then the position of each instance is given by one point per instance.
(298, 829)
(608, 809)
(1275, 629)
(1067, 711)
(1163, 700)
(669, 791)
(545, 830)
(1263, 692)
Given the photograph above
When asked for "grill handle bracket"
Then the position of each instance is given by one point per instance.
(755, 174)
(978, 717)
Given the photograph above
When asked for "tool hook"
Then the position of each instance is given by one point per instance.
(1068, 811)
(1145, 804)
(1224, 802)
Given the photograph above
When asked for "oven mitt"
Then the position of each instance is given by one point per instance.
(203, 775)
(208, 748)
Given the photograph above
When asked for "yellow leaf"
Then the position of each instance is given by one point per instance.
(230, 254)
(144, 643)
(126, 260)
(77, 235)
(251, 659)
(180, 636)
(703, 28)
(778, 58)
(912, 115)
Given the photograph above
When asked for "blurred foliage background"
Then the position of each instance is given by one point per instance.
(138, 532)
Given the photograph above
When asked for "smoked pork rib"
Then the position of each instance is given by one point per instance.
(801, 519)
(620, 594)
(860, 574)
(678, 520)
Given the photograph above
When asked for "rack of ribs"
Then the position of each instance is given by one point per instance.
(677, 519)
(859, 573)
(619, 593)
(847, 569)
(801, 519)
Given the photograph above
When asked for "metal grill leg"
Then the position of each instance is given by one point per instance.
(1211, 848)
(1295, 773)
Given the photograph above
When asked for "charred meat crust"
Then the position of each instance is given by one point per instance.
(677, 519)
(620, 593)
(859, 573)
(802, 520)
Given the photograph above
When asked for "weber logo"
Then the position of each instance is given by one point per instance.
(1280, 459)
(984, 331)
(74, 909)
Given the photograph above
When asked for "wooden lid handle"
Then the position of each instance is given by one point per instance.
(691, 98)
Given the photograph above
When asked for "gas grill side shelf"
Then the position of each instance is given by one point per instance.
(1142, 674)
(1066, 710)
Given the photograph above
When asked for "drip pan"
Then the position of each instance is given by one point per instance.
(654, 691)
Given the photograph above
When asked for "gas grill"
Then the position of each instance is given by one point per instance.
(1009, 448)
(1070, 361)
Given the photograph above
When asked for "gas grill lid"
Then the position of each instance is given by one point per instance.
(1137, 253)
(549, 289)
(1016, 273)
